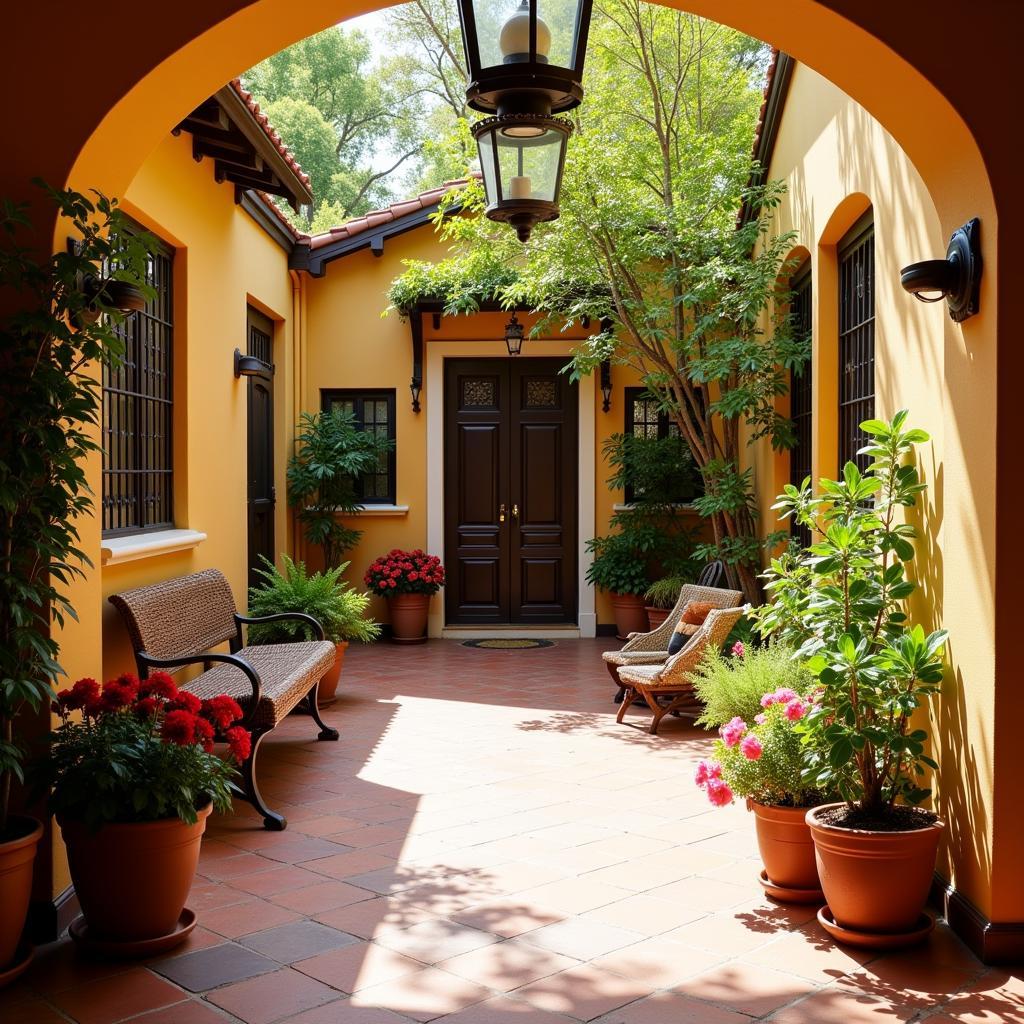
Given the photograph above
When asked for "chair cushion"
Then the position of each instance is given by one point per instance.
(696, 612)
(287, 673)
(635, 657)
(647, 674)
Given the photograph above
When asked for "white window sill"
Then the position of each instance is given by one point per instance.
(115, 550)
(383, 510)
(678, 506)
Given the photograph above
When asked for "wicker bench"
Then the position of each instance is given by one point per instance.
(178, 622)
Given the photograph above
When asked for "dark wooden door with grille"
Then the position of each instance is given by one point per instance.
(856, 340)
(261, 495)
(510, 492)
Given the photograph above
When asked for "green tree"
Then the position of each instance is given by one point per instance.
(656, 172)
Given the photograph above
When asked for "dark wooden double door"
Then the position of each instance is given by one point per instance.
(510, 491)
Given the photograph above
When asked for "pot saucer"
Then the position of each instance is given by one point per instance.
(784, 894)
(877, 940)
(22, 958)
(136, 948)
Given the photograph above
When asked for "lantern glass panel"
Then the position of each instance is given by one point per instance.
(561, 17)
(490, 17)
(485, 145)
(503, 31)
(528, 168)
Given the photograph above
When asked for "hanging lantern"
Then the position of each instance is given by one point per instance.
(523, 67)
(514, 336)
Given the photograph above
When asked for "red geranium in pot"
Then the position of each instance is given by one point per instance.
(407, 579)
(133, 780)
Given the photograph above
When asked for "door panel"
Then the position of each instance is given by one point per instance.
(510, 451)
(260, 456)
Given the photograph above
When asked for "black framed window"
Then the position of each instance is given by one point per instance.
(801, 396)
(856, 339)
(373, 411)
(138, 473)
(644, 419)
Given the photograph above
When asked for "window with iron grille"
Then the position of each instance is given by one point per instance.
(373, 411)
(801, 394)
(856, 340)
(644, 419)
(137, 411)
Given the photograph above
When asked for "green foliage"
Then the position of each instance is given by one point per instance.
(775, 777)
(324, 595)
(733, 687)
(841, 602)
(656, 470)
(655, 173)
(664, 593)
(619, 566)
(49, 393)
(331, 453)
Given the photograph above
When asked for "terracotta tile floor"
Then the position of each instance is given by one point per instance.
(485, 845)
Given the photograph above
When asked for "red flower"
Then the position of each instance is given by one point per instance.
(119, 693)
(179, 727)
(204, 734)
(221, 711)
(146, 707)
(159, 684)
(186, 701)
(85, 691)
(239, 742)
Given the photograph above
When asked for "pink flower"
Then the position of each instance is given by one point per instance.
(738, 649)
(760, 719)
(732, 732)
(795, 709)
(719, 793)
(706, 771)
(750, 747)
(780, 696)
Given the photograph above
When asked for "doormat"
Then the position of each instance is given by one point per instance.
(511, 644)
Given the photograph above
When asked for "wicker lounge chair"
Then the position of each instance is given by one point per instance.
(652, 648)
(667, 688)
(177, 623)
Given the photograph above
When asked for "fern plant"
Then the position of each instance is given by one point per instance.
(324, 595)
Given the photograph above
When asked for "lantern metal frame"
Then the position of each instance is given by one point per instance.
(514, 333)
(522, 214)
(533, 84)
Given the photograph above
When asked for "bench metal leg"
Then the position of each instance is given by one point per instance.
(326, 732)
(272, 821)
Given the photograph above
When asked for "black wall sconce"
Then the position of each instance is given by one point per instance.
(606, 384)
(415, 387)
(251, 366)
(957, 278)
(514, 336)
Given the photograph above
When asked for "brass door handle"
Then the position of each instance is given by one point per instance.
(501, 513)
(515, 511)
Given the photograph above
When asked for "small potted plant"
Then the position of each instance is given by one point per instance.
(661, 597)
(763, 761)
(407, 580)
(621, 569)
(133, 776)
(842, 602)
(324, 595)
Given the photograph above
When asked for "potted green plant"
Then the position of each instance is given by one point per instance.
(64, 325)
(620, 568)
(762, 760)
(324, 595)
(331, 454)
(133, 776)
(661, 597)
(842, 602)
(407, 580)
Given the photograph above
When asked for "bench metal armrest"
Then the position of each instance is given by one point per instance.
(249, 620)
(146, 663)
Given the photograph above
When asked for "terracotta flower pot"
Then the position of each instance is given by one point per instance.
(16, 859)
(656, 616)
(630, 614)
(328, 687)
(132, 880)
(787, 850)
(874, 882)
(409, 617)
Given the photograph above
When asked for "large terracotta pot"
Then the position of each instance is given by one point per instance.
(630, 614)
(656, 616)
(409, 617)
(329, 683)
(875, 882)
(16, 859)
(132, 880)
(787, 850)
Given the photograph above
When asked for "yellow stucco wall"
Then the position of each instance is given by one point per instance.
(837, 161)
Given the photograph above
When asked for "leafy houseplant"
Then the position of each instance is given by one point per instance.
(64, 323)
(841, 604)
(133, 780)
(763, 761)
(407, 579)
(331, 454)
(324, 595)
